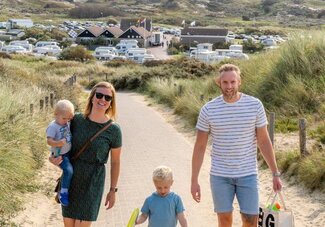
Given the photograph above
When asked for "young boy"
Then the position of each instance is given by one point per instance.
(163, 207)
(59, 138)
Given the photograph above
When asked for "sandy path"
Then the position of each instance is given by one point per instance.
(309, 208)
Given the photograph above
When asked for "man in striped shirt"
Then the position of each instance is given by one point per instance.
(237, 124)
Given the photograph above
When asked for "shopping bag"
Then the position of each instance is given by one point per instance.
(269, 217)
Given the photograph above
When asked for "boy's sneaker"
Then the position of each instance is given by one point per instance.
(64, 198)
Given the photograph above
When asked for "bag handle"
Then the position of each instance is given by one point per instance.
(274, 198)
(87, 144)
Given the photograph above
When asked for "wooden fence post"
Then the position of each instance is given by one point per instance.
(201, 97)
(51, 100)
(210, 99)
(271, 126)
(41, 104)
(302, 137)
(31, 109)
(46, 102)
(180, 90)
(75, 78)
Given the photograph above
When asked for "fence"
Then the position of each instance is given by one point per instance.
(48, 101)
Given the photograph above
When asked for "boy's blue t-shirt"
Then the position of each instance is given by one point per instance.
(162, 211)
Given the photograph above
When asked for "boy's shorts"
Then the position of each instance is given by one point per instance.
(245, 188)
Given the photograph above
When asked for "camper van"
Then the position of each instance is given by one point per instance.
(130, 53)
(22, 43)
(105, 53)
(156, 38)
(123, 47)
(46, 43)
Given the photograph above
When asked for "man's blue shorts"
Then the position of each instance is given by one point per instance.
(224, 190)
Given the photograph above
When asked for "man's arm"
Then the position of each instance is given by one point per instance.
(182, 220)
(265, 145)
(197, 160)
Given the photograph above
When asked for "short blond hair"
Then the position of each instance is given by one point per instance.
(162, 173)
(227, 68)
(63, 106)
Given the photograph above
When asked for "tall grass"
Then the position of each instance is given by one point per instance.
(22, 147)
(24, 81)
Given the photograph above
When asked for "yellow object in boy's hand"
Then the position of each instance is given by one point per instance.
(133, 217)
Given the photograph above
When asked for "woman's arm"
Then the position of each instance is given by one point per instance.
(115, 172)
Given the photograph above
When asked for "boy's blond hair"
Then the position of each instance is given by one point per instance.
(162, 173)
(63, 106)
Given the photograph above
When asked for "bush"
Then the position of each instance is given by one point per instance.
(94, 11)
(44, 35)
(119, 62)
(250, 47)
(78, 53)
(172, 50)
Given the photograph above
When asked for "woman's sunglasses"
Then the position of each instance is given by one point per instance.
(101, 95)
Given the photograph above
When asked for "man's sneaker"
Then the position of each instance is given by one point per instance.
(64, 198)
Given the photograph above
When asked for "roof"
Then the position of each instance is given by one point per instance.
(21, 20)
(204, 31)
(114, 30)
(96, 31)
(141, 31)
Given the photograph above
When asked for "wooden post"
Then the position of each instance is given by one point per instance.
(71, 81)
(46, 102)
(271, 126)
(302, 137)
(210, 99)
(180, 90)
(75, 78)
(51, 100)
(41, 104)
(201, 97)
(106, 77)
(31, 109)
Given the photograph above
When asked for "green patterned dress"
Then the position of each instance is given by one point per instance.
(87, 185)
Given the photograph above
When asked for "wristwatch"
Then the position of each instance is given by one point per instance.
(276, 174)
(113, 189)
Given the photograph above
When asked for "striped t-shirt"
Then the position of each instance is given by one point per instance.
(233, 130)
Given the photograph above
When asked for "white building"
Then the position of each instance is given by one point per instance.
(19, 23)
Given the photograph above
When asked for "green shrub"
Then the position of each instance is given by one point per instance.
(78, 53)
(312, 171)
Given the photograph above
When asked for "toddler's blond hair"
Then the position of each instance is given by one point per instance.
(162, 173)
(63, 106)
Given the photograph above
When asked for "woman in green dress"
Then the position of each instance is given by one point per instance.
(88, 180)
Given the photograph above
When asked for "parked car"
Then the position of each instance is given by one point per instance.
(12, 49)
(48, 50)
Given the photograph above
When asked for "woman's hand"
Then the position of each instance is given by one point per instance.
(55, 160)
(110, 200)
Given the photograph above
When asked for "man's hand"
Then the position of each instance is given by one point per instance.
(196, 192)
(277, 184)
